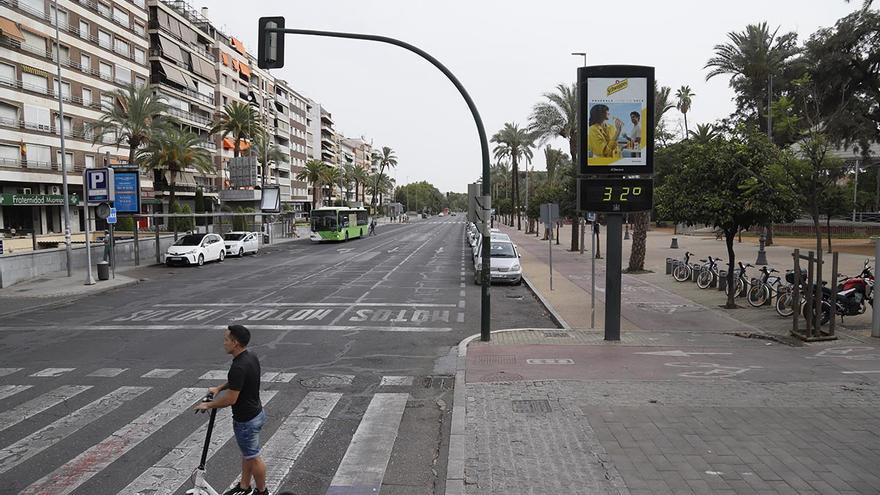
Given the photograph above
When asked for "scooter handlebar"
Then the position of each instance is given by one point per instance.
(207, 398)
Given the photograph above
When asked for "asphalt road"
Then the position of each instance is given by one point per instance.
(357, 344)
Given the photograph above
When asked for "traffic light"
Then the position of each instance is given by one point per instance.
(270, 53)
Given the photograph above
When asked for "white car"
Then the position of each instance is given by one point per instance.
(505, 265)
(495, 235)
(240, 243)
(196, 249)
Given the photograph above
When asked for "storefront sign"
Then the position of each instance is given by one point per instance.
(34, 71)
(36, 200)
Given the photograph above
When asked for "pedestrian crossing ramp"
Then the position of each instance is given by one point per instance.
(43, 425)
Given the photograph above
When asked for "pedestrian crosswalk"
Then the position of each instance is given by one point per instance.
(100, 436)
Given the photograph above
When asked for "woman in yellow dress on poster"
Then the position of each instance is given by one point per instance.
(602, 137)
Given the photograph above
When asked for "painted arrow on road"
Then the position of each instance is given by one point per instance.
(683, 353)
(393, 250)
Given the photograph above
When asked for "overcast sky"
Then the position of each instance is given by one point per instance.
(506, 53)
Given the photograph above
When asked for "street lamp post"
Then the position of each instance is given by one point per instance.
(64, 189)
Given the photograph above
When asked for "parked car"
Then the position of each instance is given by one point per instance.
(505, 265)
(241, 243)
(495, 235)
(196, 249)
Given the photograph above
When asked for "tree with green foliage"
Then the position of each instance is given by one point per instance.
(685, 100)
(242, 223)
(420, 197)
(239, 120)
(313, 173)
(183, 224)
(704, 133)
(385, 159)
(200, 206)
(514, 144)
(135, 115)
(733, 182)
(174, 150)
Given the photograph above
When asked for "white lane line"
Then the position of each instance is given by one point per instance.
(462, 294)
(215, 375)
(363, 466)
(461, 285)
(10, 390)
(461, 304)
(293, 436)
(48, 436)
(53, 372)
(284, 305)
(276, 377)
(396, 381)
(83, 467)
(39, 404)
(175, 469)
(460, 318)
(108, 372)
(9, 371)
(161, 373)
(867, 372)
(310, 328)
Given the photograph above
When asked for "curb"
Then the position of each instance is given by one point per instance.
(457, 437)
(66, 300)
(554, 315)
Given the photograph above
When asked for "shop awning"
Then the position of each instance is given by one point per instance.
(229, 144)
(9, 29)
(225, 58)
(184, 179)
(170, 49)
(238, 45)
(243, 67)
(174, 74)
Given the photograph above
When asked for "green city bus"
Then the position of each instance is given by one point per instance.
(338, 223)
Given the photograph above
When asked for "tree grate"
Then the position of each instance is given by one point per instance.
(439, 382)
(541, 406)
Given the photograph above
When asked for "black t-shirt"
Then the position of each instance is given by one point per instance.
(244, 376)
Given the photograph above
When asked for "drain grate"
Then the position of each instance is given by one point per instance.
(497, 359)
(438, 382)
(531, 406)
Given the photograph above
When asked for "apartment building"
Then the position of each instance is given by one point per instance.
(183, 72)
(103, 47)
(301, 193)
(362, 153)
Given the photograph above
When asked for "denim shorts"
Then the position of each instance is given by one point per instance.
(247, 435)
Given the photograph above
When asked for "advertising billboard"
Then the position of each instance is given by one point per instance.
(128, 192)
(615, 116)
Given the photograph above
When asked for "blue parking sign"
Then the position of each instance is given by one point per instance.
(98, 185)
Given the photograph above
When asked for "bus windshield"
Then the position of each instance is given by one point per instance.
(323, 220)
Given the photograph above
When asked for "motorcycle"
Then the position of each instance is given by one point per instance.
(852, 294)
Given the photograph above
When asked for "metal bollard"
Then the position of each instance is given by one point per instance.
(722, 280)
(669, 262)
(695, 272)
(674, 244)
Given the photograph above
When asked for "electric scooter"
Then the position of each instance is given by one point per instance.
(201, 484)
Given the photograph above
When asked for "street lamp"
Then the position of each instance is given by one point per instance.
(64, 190)
(582, 54)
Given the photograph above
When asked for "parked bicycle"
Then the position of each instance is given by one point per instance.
(766, 288)
(785, 296)
(709, 272)
(683, 270)
(742, 284)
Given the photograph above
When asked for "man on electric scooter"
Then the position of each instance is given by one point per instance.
(242, 392)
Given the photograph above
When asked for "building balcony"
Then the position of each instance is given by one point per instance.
(190, 116)
(156, 78)
(233, 195)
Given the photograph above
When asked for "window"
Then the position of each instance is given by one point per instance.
(36, 117)
(65, 89)
(34, 41)
(104, 39)
(9, 154)
(34, 6)
(140, 80)
(225, 99)
(65, 53)
(38, 156)
(7, 73)
(140, 55)
(123, 74)
(68, 162)
(34, 82)
(120, 16)
(85, 62)
(62, 17)
(104, 9)
(139, 29)
(8, 114)
(87, 96)
(106, 71)
(90, 161)
(121, 47)
(84, 30)
(107, 101)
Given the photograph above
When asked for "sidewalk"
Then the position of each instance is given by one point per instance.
(57, 288)
(679, 405)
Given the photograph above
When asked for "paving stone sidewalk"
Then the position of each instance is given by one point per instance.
(679, 405)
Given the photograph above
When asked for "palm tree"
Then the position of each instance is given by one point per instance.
(174, 150)
(386, 186)
(313, 173)
(752, 57)
(349, 177)
(240, 120)
(331, 178)
(132, 119)
(704, 133)
(385, 159)
(514, 143)
(272, 156)
(662, 104)
(556, 117)
(554, 159)
(360, 176)
(685, 98)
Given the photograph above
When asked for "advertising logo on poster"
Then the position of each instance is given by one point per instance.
(615, 119)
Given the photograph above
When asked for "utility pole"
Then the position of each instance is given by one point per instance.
(64, 189)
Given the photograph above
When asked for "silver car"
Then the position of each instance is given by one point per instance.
(505, 265)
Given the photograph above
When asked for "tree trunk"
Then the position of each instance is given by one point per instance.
(639, 237)
(686, 134)
(516, 194)
(132, 150)
(575, 224)
(828, 226)
(729, 234)
(769, 241)
(575, 245)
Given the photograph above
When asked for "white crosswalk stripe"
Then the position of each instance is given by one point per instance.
(9, 371)
(276, 377)
(10, 390)
(214, 375)
(396, 381)
(161, 373)
(108, 372)
(363, 466)
(173, 470)
(48, 436)
(52, 372)
(294, 435)
(83, 467)
(39, 404)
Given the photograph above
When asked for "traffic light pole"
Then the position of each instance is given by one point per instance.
(485, 312)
